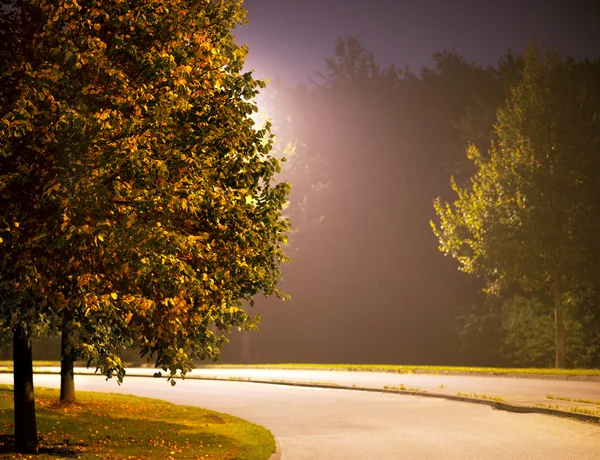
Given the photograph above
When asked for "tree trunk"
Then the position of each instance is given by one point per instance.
(560, 362)
(25, 424)
(67, 382)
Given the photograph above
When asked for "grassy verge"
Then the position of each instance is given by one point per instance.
(404, 388)
(407, 369)
(480, 396)
(112, 426)
(576, 409)
(595, 402)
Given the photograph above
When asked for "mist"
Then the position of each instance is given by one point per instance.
(374, 109)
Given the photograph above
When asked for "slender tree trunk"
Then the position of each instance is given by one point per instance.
(560, 362)
(25, 424)
(67, 382)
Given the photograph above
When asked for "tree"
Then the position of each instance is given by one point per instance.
(138, 200)
(22, 307)
(529, 214)
(517, 330)
(528, 336)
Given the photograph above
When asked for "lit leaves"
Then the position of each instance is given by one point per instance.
(147, 198)
(527, 215)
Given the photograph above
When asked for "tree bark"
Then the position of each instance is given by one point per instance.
(67, 382)
(560, 362)
(25, 424)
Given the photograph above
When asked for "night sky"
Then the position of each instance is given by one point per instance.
(291, 38)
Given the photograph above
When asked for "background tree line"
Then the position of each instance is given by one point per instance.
(373, 148)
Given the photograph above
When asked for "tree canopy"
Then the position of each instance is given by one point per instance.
(138, 198)
(529, 214)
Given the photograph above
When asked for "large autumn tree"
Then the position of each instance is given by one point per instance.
(138, 201)
(529, 216)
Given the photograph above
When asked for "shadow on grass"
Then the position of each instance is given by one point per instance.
(7, 446)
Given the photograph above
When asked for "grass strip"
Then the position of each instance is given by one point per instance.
(115, 426)
(575, 409)
(408, 369)
(9, 363)
(595, 402)
(480, 396)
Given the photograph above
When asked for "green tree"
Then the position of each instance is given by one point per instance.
(528, 337)
(139, 206)
(529, 213)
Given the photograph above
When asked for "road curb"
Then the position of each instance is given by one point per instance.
(277, 454)
(499, 405)
(547, 411)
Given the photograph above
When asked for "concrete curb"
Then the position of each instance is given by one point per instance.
(499, 405)
(277, 454)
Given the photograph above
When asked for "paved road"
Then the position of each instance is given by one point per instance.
(519, 390)
(323, 424)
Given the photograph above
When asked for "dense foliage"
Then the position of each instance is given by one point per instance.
(138, 201)
(529, 215)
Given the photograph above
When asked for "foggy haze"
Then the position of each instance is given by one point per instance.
(373, 150)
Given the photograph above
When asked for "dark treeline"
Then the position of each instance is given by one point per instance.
(373, 148)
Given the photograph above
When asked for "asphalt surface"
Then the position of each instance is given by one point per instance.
(528, 391)
(314, 423)
(515, 390)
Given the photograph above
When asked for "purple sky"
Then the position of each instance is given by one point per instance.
(291, 38)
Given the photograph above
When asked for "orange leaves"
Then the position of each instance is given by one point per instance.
(146, 304)
(91, 90)
(128, 317)
(180, 81)
(184, 69)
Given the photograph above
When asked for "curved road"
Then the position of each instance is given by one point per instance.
(519, 390)
(327, 424)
